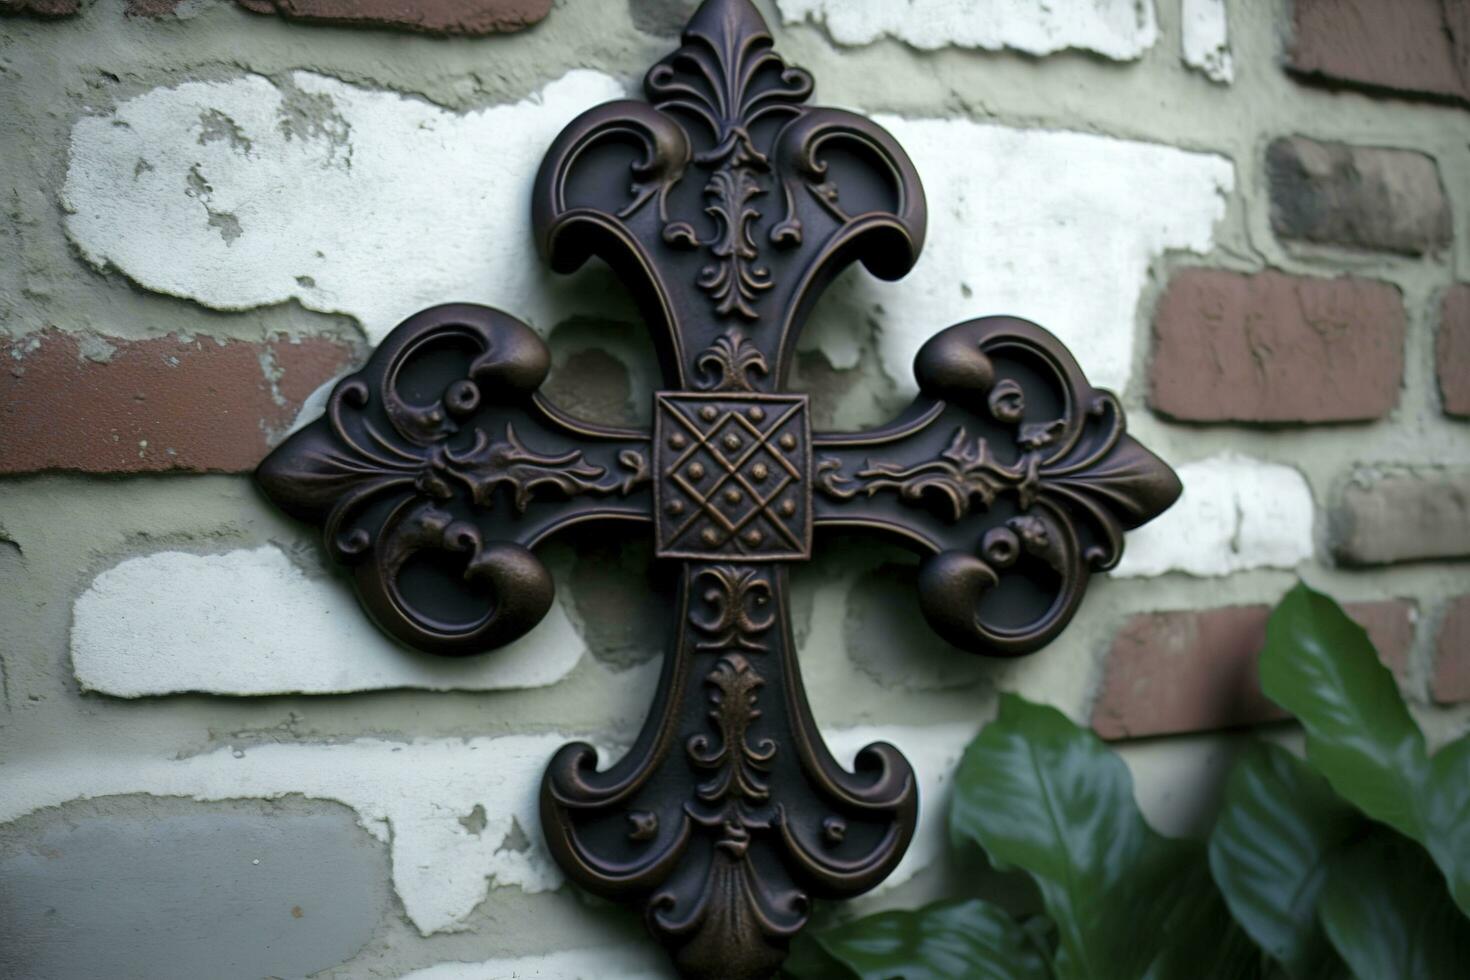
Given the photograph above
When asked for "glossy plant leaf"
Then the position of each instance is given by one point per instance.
(971, 939)
(1269, 852)
(1385, 907)
(1191, 916)
(1040, 794)
(1320, 665)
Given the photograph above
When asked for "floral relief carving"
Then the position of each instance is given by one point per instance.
(441, 465)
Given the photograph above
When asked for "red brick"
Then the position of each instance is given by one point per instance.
(1415, 47)
(1452, 351)
(428, 16)
(109, 405)
(151, 8)
(1401, 513)
(1276, 348)
(1196, 670)
(1359, 197)
(1451, 684)
(40, 8)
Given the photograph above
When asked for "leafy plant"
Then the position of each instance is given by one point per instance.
(1355, 862)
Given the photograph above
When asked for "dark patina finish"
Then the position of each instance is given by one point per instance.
(726, 203)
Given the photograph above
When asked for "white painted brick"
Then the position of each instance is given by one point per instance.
(410, 795)
(1236, 513)
(1207, 39)
(390, 205)
(251, 622)
(1056, 227)
(1118, 29)
(644, 961)
(413, 794)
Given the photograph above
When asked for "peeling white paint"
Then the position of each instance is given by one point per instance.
(644, 961)
(251, 622)
(413, 794)
(1237, 513)
(1118, 29)
(1207, 39)
(239, 194)
(410, 795)
(1056, 227)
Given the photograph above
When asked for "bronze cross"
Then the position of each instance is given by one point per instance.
(726, 204)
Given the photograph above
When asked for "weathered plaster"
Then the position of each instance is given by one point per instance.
(1206, 33)
(643, 961)
(250, 192)
(1118, 29)
(1236, 514)
(254, 622)
(410, 794)
(1052, 226)
(139, 886)
(460, 815)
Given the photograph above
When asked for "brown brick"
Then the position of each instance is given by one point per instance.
(151, 8)
(1415, 47)
(1403, 514)
(1276, 348)
(1359, 197)
(1452, 351)
(1451, 684)
(40, 8)
(109, 405)
(428, 16)
(1196, 670)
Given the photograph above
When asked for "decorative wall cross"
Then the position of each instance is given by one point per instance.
(726, 204)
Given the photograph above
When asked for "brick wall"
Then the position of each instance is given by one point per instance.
(1247, 217)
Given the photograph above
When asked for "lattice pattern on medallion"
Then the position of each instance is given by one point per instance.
(733, 477)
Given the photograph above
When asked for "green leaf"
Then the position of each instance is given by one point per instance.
(969, 939)
(1320, 665)
(1040, 794)
(1386, 909)
(1193, 919)
(809, 961)
(1269, 852)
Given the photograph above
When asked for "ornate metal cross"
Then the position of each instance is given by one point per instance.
(727, 204)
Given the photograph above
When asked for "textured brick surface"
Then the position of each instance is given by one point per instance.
(138, 886)
(1404, 514)
(107, 405)
(1452, 351)
(429, 16)
(1362, 197)
(1451, 683)
(40, 8)
(1411, 46)
(1192, 671)
(1276, 348)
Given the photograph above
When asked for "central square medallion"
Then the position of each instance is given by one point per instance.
(733, 478)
